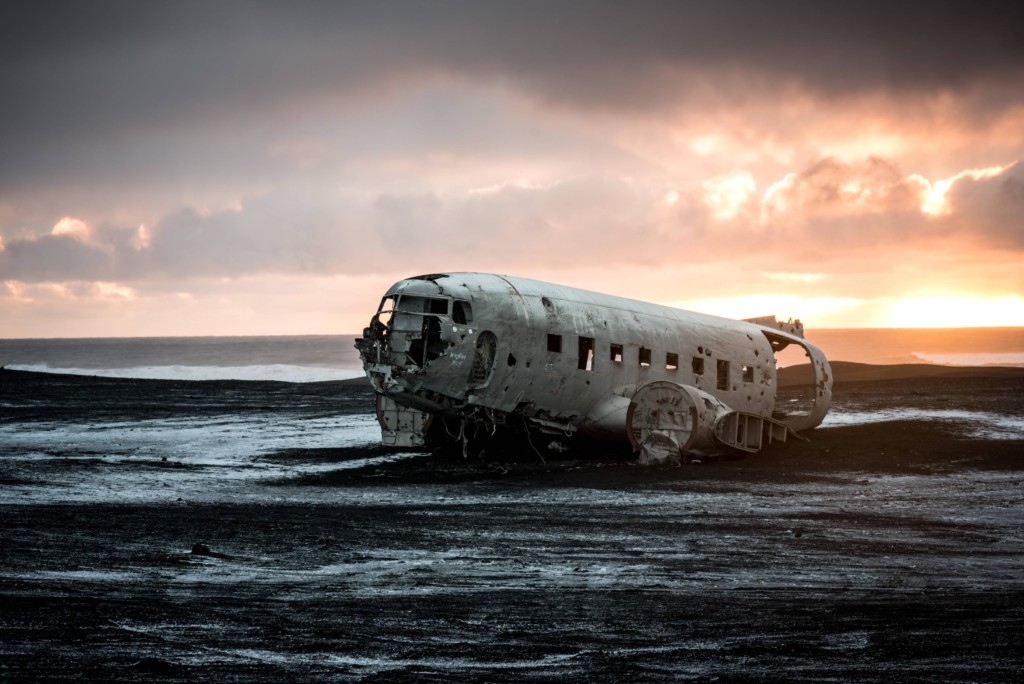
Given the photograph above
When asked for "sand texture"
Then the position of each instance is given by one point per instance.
(230, 531)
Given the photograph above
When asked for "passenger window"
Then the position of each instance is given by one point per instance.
(748, 373)
(645, 357)
(723, 374)
(616, 353)
(698, 365)
(462, 312)
(586, 358)
(554, 343)
(671, 361)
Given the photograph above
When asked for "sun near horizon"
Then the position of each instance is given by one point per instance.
(184, 317)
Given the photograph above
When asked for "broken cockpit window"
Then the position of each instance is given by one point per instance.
(427, 345)
(387, 306)
(437, 306)
(462, 312)
(426, 305)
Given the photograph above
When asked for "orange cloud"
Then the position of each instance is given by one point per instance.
(72, 227)
(830, 188)
(935, 195)
(726, 195)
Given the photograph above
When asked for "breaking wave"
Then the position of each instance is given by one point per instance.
(980, 424)
(1001, 359)
(278, 372)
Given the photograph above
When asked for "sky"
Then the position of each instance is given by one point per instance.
(235, 168)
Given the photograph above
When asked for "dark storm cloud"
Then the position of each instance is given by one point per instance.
(280, 232)
(55, 258)
(72, 69)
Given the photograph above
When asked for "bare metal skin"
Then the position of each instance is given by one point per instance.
(486, 349)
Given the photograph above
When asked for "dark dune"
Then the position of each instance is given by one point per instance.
(847, 371)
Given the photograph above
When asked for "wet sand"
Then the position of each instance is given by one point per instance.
(888, 546)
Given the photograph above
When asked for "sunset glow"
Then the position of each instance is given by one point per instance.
(70, 227)
(935, 196)
(726, 194)
(874, 181)
(957, 312)
(781, 306)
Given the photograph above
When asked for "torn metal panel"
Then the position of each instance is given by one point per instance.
(791, 326)
(401, 426)
(483, 349)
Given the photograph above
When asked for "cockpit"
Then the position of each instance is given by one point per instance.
(412, 330)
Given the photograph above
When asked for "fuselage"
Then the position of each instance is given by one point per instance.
(472, 345)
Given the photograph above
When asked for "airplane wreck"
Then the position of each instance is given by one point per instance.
(456, 353)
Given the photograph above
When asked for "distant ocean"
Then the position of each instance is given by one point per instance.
(312, 358)
(288, 358)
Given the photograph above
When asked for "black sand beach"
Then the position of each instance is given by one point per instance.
(888, 546)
